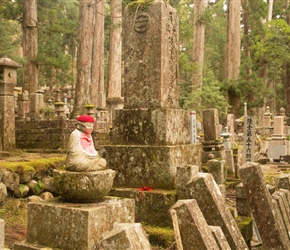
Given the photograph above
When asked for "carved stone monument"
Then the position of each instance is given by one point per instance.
(151, 136)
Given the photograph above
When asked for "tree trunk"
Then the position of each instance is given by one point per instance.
(84, 56)
(30, 46)
(233, 51)
(287, 66)
(198, 43)
(115, 54)
(98, 96)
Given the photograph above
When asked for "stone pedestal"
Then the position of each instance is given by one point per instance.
(158, 126)
(74, 226)
(153, 166)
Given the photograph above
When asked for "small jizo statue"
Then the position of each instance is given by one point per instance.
(82, 155)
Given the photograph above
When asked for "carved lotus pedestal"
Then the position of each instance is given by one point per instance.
(83, 186)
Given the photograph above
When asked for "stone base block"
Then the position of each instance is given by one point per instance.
(75, 226)
(275, 151)
(154, 166)
(151, 127)
(216, 154)
(151, 207)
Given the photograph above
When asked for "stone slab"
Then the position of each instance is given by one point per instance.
(151, 207)
(129, 236)
(220, 238)
(154, 166)
(65, 219)
(190, 227)
(211, 126)
(206, 192)
(281, 206)
(151, 127)
(262, 208)
(184, 175)
(151, 56)
(283, 181)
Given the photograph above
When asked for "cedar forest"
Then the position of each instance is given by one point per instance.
(264, 70)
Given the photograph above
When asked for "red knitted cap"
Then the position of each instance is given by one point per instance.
(86, 118)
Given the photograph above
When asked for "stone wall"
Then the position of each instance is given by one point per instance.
(53, 134)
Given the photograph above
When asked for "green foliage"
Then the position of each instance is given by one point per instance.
(208, 95)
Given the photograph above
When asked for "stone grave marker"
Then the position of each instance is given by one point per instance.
(266, 214)
(190, 227)
(249, 139)
(206, 192)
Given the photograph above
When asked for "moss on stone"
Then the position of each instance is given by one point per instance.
(34, 165)
(160, 236)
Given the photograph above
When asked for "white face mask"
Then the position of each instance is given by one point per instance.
(85, 127)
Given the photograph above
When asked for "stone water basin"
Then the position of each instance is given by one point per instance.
(83, 186)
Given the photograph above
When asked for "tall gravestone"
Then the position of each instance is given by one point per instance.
(8, 80)
(151, 136)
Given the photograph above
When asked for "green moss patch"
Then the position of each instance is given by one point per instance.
(34, 165)
(160, 237)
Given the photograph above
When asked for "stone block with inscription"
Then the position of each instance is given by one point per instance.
(151, 56)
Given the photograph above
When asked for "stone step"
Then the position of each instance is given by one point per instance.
(151, 205)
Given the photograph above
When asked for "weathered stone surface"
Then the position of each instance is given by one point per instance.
(151, 56)
(217, 169)
(283, 181)
(282, 213)
(285, 194)
(35, 186)
(151, 126)
(210, 124)
(261, 204)
(126, 236)
(83, 186)
(153, 166)
(21, 191)
(205, 191)
(242, 204)
(95, 219)
(48, 184)
(3, 192)
(184, 175)
(46, 195)
(7, 128)
(151, 207)
(26, 175)
(190, 228)
(30, 246)
(220, 238)
(11, 180)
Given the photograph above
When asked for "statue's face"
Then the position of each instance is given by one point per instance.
(86, 127)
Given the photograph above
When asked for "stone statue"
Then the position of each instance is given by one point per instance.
(82, 155)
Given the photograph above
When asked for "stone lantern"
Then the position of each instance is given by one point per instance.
(226, 135)
(8, 80)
